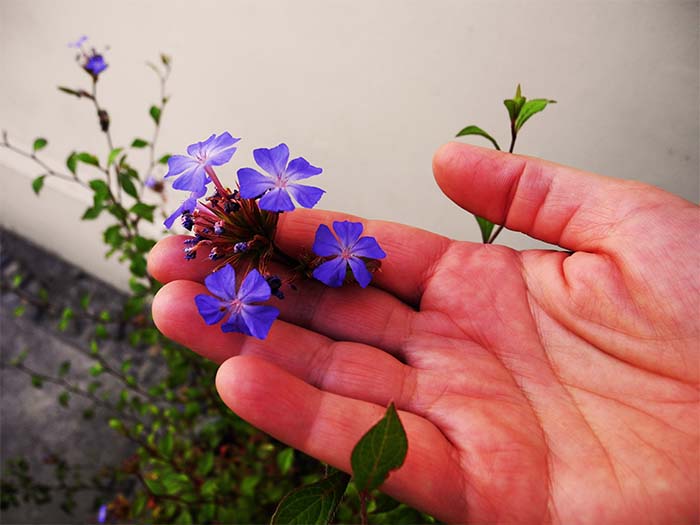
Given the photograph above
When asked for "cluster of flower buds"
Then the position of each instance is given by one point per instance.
(237, 229)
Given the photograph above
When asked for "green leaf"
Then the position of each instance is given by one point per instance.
(248, 485)
(285, 459)
(66, 317)
(184, 518)
(64, 368)
(92, 213)
(113, 155)
(113, 236)
(143, 210)
(19, 358)
(155, 114)
(39, 143)
(164, 159)
(206, 463)
(85, 301)
(530, 108)
(166, 444)
(63, 399)
(514, 105)
(486, 227)
(69, 91)
(128, 185)
(143, 244)
(19, 310)
(475, 130)
(139, 143)
(96, 369)
(87, 158)
(72, 162)
(312, 504)
(37, 382)
(138, 504)
(137, 287)
(382, 449)
(38, 183)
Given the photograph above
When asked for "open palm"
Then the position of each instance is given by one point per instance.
(535, 386)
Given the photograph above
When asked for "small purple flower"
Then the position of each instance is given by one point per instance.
(241, 315)
(102, 514)
(150, 182)
(346, 250)
(188, 206)
(281, 181)
(78, 43)
(95, 65)
(190, 169)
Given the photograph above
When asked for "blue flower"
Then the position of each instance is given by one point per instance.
(241, 315)
(191, 169)
(347, 250)
(95, 65)
(280, 182)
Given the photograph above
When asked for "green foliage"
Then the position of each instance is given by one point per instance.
(476, 130)
(155, 114)
(315, 504)
(39, 143)
(382, 449)
(139, 143)
(38, 183)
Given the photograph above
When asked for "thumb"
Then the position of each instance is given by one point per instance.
(553, 203)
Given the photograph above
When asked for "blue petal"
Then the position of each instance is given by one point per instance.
(332, 272)
(300, 168)
(253, 183)
(194, 180)
(368, 247)
(221, 150)
(198, 149)
(274, 160)
(348, 232)
(254, 288)
(188, 204)
(222, 283)
(276, 199)
(235, 323)
(360, 271)
(325, 243)
(306, 196)
(259, 319)
(210, 308)
(179, 163)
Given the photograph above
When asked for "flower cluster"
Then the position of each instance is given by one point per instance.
(237, 227)
(91, 61)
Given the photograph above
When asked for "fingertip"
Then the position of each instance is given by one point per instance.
(166, 261)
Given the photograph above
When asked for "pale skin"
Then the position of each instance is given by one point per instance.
(535, 386)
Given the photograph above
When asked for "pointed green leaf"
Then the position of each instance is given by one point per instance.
(38, 183)
(145, 211)
(113, 155)
(206, 463)
(69, 91)
(382, 449)
(312, 504)
(64, 368)
(37, 382)
(128, 185)
(87, 158)
(39, 143)
(139, 143)
(72, 162)
(285, 459)
(530, 108)
(155, 114)
(486, 227)
(63, 399)
(164, 159)
(475, 130)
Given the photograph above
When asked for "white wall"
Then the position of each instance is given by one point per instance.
(367, 90)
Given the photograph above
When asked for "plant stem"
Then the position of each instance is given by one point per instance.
(513, 137)
(363, 507)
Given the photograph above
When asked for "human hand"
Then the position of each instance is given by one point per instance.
(535, 386)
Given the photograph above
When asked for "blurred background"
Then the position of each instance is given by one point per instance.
(366, 90)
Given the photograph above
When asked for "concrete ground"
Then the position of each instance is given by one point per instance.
(32, 422)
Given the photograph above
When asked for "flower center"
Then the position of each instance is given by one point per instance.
(236, 306)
